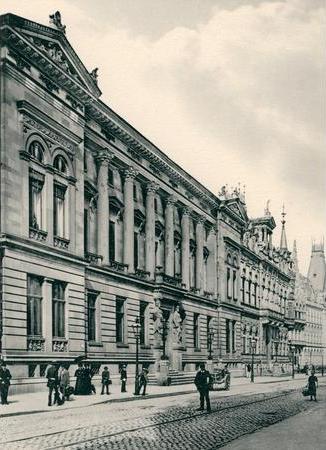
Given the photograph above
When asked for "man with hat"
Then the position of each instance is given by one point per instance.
(123, 378)
(5, 377)
(53, 383)
(202, 382)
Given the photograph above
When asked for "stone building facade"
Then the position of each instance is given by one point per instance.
(99, 227)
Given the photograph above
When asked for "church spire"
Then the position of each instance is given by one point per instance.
(283, 243)
(295, 257)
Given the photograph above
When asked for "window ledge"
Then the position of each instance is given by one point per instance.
(122, 345)
(94, 344)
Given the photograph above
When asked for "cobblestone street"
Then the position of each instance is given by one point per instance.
(167, 423)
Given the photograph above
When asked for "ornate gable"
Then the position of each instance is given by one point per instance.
(236, 208)
(51, 52)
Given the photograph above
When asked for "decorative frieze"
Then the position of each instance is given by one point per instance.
(93, 258)
(35, 344)
(59, 345)
(61, 242)
(142, 274)
(119, 266)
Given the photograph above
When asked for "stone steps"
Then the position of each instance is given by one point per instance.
(177, 378)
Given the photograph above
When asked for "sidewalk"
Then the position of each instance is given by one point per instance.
(36, 402)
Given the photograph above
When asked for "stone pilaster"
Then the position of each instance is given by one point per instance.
(199, 253)
(47, 314)
(212, 262)
(169, 236)
(185, 250)
(150, 228)
(128, 218)
(103, 159)
(48, 200)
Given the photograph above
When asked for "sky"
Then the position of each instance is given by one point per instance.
(232, 90)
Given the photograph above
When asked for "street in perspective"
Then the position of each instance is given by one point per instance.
(162, 222)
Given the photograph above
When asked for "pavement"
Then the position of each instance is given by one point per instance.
(167, 423)
(305, 430)
(36, 402)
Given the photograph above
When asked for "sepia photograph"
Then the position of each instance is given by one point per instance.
(162, 224)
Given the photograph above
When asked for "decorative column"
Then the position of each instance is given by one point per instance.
(185, 250)
(103, 158)
(169, 236)
(128, 218)
(48, 198)
(150, 228)
(199, 253)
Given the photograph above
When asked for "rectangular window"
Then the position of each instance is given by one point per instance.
(59, 219)
(135, 250)
(254, 295)
(58, 309)
(233, 336)
(208, 328)
(243, 286)
(228, 283)
(142, 318)
(86, 231)
(196, 330)
(91, 316)
(34, 306)
(111, 177)
(227, 335)
(111, 241)
(35, 201)
(235, 287)
(120, 317)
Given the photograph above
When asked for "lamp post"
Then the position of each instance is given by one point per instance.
(164, 336)
(292, 350)
(136, 328)
(253, 343)
(210, 338)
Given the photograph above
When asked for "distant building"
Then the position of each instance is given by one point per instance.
(99, 227)
(308, 336)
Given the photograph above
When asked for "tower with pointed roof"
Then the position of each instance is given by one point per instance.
(283, 242)
(295, 257)
(317, 267)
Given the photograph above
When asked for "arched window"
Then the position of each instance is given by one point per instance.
(36, 151)
(60, 164)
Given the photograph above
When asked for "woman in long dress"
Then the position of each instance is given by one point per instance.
(79, 380)
(312, 385)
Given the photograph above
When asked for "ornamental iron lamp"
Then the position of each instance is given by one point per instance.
(210, 337)
(253, 343)
(136, 329)
(292, 351)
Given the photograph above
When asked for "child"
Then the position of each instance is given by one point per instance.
(105, 380)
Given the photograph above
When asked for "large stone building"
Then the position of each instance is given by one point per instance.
(99, 227)
(309, 334)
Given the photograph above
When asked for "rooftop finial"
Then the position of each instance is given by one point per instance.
(267, 211)
(283, 243)
(56, 20)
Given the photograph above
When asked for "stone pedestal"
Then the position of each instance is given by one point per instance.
(162, 376)
(176, 359)
(157, 355)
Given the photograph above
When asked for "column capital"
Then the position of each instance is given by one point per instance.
(152, 186)
(130, 173)
(104, 156)
(171, 200)
(212, 229)
(200, 220)
(185, 211)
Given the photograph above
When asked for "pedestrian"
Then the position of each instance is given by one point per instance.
(248, 370)
(64, 382)
(260, 368)
(123, 378)
(143, 380)
(79, 378)
(312, 386)
(202, 382)
(5, 377)
(53, 384)
(106, 381)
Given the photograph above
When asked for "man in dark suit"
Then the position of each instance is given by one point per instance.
(123, 378)
(202, 382)
(5, 377)
(53, 383)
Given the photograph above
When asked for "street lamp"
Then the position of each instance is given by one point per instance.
(164, 336)
(292, 350)
(322, 362)
(136, 328)
(253, 343)
(210, 338)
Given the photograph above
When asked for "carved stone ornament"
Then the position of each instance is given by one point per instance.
(186, 211)
(55, 19)
(171, 200)
(35, 344)
(94, 74)
(152, 186)
(104, 156)
(59, 346)
(28, 121)
(130, 173)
